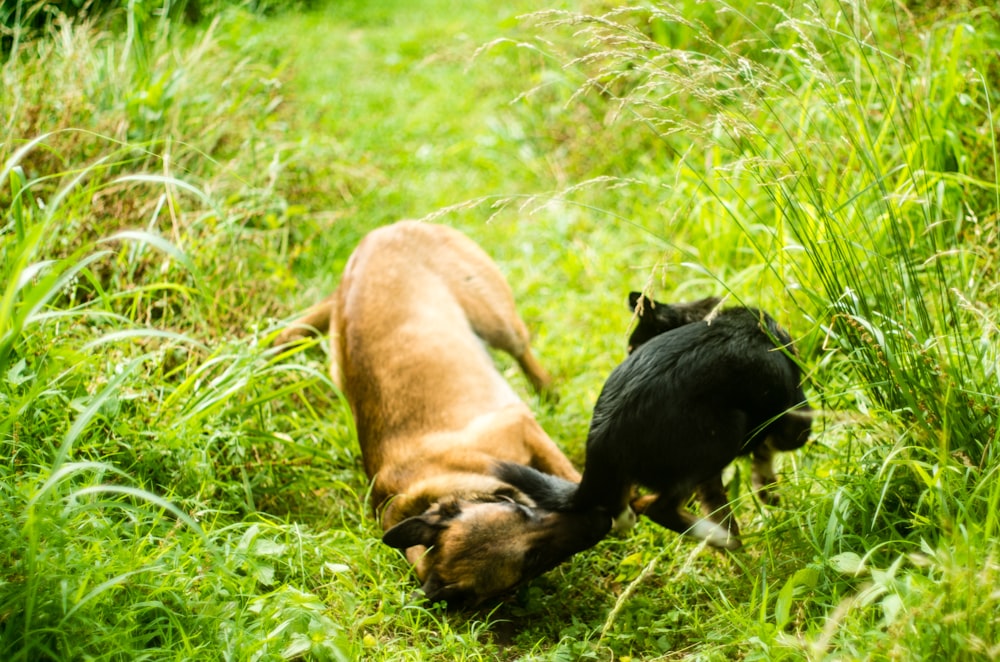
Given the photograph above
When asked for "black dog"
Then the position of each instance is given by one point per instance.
(699, 388)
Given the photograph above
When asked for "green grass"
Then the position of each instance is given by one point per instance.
(174, 488)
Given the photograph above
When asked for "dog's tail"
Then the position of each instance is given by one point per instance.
(316, 321)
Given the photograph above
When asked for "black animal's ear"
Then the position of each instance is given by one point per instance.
(694, 311)
(419, 530)
(633, 301)
(646, 327)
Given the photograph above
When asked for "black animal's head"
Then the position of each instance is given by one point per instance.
(792, 430)
(465, 552)
(656, 318)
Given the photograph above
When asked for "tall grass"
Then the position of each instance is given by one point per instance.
(854, 148)
(134, 429)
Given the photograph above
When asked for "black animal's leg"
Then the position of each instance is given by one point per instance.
(668, 510)
(762, 473)
(715, 505)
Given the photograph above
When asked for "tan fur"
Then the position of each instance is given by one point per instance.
(408, 323)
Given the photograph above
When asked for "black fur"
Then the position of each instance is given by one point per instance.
(688, 400)
(547, 491)
(656, 318)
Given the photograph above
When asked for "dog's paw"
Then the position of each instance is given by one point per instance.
(546, 391)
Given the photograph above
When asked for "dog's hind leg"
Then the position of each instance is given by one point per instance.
(540, 379)
(668, 510)
(715, 504)
(496, 321)
(506, 331)
(488, 302)
(318, 319)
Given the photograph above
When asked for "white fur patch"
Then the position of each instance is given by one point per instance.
(623, 522)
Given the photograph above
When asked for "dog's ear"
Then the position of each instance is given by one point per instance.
(419, 530)
(423, 529)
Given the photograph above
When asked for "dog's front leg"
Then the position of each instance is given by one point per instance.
(545, 455)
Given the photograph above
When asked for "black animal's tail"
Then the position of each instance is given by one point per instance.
(547, 491)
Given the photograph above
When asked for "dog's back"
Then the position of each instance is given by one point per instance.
(410, 321)
(425, 287)
(409, 324)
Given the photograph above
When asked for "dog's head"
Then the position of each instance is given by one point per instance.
(656, 318)
(465, 552)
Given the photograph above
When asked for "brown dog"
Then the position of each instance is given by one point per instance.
(435, 418)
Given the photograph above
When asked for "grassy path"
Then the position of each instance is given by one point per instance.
(394, 91)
